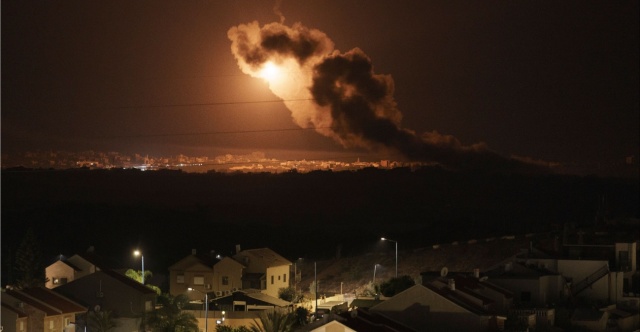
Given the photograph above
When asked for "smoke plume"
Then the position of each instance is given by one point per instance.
(341, 96)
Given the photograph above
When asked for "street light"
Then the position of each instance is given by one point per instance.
(206, 307)
(374, 273)
(396, 242)
(138, 253)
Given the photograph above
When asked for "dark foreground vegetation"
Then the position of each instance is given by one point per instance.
(317, 214)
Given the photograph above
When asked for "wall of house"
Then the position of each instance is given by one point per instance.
(277, 277)
(630, 248)
(190, 277)
(230, 269)
(35, 319)
(551, 289)
(9, 321)
(58, 270)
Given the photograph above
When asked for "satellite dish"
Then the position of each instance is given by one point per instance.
(444, 271)
(96, 308)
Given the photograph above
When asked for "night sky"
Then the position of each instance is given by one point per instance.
(545, 80)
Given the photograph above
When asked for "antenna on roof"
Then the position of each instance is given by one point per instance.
(444, 271)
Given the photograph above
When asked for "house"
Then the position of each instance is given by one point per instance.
(264, 270)
(439, 304)
(237, 308)
(108, 290)
(60, 272)
(77, 266)
(532, 285)
(227, 276)
(193, 271)
(38, 309)
(333, 326)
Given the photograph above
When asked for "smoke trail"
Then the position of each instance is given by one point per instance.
(277, 11)
(348, 101)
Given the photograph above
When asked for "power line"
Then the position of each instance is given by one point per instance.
(205, 104)
(215, 132)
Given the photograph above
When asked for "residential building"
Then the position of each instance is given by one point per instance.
(193, 271)
(108, 290)
(261, 269)
(264, 270)
(38, 309)
(439, 305)
(532, 285)
(77, 266)
(227, 276)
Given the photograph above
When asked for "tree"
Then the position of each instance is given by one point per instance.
(29, 267)
(100, 321)
(137, 276)
(394, 286)
(289, 294)
(302, 316)
(169, 317)
(273, 321)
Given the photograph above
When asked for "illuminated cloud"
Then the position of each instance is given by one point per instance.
(341, 96)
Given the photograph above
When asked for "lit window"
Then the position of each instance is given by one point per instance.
(148, 306)
(180, 279)
(198, 280)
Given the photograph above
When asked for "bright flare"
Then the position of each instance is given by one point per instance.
(270, 72)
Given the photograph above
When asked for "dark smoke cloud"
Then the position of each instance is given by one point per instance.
(358, 103)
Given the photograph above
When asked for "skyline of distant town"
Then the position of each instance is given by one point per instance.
(252, 162)
(256, 161)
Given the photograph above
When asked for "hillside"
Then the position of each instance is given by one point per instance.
(356, 272)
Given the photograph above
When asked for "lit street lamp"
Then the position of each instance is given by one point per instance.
(396, 242)
(206, 307)
(138, 253)
(374, 273)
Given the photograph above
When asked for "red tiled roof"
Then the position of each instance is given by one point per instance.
(43, 299)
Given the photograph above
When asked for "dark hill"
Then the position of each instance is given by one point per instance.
(299, 215)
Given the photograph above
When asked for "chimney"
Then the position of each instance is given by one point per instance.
(237, 249)
(452, 284)
(193, 252)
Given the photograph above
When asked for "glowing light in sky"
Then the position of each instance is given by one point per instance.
(270, 72)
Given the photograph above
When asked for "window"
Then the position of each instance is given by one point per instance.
(278, 277)
(67, 321)
(51, 324)
(148, 306)
(21, 326)
(284, 277)
(272, 280)
(225, 280)
(180, 279)
(198, 280)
